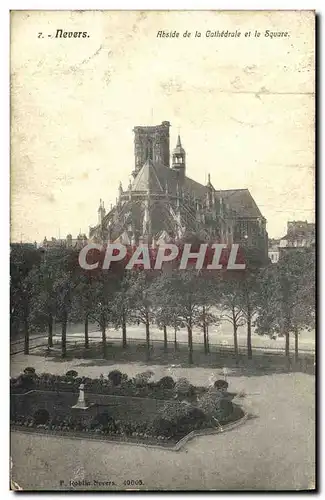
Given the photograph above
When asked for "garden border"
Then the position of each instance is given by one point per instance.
(207, 432)
(93, 437)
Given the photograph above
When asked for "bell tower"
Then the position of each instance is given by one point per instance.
(179, 158)
(151, 142)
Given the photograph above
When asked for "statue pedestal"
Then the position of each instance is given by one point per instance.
(81, 403)
(81, 406)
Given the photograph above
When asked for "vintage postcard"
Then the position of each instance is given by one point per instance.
(162, 252)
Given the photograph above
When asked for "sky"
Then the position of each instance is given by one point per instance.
(244, 107)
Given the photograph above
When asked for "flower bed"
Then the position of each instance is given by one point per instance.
(117, 407)
(116, 383)
(127, 435)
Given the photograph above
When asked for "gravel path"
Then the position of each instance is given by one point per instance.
(275, 450)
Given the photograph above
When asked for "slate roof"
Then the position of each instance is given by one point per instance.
(155, 178)
(147, 179)
(242, 202)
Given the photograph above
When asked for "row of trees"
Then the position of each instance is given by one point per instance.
(50, 285)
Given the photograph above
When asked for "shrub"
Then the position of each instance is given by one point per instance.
(41, 416)
(216, 404)
(167, 383)
(103, 421)
(29, 370)
(142, 379)
(178, 419)
(221, 385)
(71, 373)
(174, 409)
(115, 376)
(236, 414)
(224, 409)
(208, 402)
(182, 387)
(193, 419)
(163, 427)
(26, 381)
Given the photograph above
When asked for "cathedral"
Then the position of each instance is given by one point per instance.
(161, 204)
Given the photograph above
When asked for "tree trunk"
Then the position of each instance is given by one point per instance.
(296, 345)
(175, 338)
(147, 335)
(235, 343)
(235, 335)
(103, 330)
(249, 334)
(287, 348)
(64, 335)
(50, 331)
(26, 335)
(86, 332)
(124, 342)
(165, 338)
(190, 344)
(204, 332)
(147, 340)
(207, 338)
(287, 344)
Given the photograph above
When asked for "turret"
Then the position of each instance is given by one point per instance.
(179, 158)
(120, 189)
(101, 211)
(209, 193)
(130, 190)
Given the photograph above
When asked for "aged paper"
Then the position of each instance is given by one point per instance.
(151, 128)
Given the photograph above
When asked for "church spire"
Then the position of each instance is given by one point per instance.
(101, 211)
(209, 184)
(179, 157)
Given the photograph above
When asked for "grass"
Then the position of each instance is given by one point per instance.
(261, 363)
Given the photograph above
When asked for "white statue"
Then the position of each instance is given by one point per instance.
(81, 403)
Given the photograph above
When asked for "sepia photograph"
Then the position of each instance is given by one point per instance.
(162, 250)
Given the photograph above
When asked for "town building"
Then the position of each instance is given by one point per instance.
(67, 242)
(300, 235)
(273, 250)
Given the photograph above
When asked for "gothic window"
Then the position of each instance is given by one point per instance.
(150, 149)
(243, 228)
